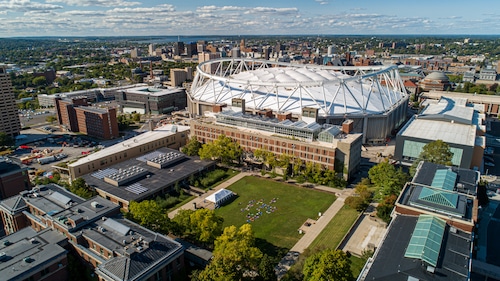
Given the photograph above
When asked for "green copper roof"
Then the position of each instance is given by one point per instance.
(425, 242)
(444, 181)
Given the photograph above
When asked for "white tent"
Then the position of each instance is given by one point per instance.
(219, 197)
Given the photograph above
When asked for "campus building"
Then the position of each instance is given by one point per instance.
(171, 136)
(487, 104)
(13, 177)
(76, 116)
(9, 117)
(430, 236)
(31, 255)
(451, 120)
(145, 177)
(309, 141)
(93, 230)
(373, 97)
(151, 100)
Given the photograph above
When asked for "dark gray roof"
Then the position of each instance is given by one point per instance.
(155, 180)
(42, 248)
(139, 252)
(466, 179)
(9, 165)
(13, 204)
(390, 264)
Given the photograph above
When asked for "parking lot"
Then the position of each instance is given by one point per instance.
(41, 143)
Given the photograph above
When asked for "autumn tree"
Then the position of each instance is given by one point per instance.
(361, 198)
(223, 149)
(327, 265)
(234, 255)
(80, 188)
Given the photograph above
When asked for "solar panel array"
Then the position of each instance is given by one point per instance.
(164, 159)
(124, 176)
(61, 198)
(136, 188)
(146, 157)
(115, 226)
(101, 174)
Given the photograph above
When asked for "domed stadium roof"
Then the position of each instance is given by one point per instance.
(291, 87)
(437, 75)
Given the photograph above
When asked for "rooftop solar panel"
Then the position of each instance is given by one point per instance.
(136, 188)
(63, 199)
(103, 173)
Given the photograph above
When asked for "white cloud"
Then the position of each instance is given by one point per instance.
(26, 6)
(321, 2)
(103, 3)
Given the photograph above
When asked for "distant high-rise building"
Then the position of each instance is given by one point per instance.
(191, 49)
(201, 46)
(178, 48)
(134, 53)
(203, 57)
(9, 118)
(236, 52)
(266, 51)
(151, 49)
(331, 50)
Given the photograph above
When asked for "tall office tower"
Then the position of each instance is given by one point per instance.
(9, 117)
(191, 49)
(178, 48)
(266, 51)
(151, 49)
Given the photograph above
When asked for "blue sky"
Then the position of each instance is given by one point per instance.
(222, 17)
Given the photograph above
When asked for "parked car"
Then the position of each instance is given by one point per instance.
(489, 164)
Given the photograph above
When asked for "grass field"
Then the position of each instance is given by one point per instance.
(356, 265)
(332, 234)
(281, 218)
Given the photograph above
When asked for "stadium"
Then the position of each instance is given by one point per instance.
(374, 97)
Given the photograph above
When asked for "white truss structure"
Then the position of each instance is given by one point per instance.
(286, 87)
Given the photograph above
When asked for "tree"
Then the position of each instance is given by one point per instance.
(437, 152)
(149, 214)
(6, 140)
(51, 118)
(80, 188)
(361, 198)
(384, 209)
(223, 149)
(328, 265)
(202, 225)
(192, 147)
(387, 178)
(234, 254)
(39, 81)
(136, 117)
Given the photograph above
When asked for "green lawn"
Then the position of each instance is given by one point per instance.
(279, 223)
(332, 234)
(356, 265)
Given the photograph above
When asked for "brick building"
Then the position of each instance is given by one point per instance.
(9, 117)
(75, 115)
(151, 100)
(93, 230)
(13, 178)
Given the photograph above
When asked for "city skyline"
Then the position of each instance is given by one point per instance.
(222, 17)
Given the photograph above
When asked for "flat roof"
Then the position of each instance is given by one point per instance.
(27, 252)
(147, 137)
(152, 91)
(42, 198)
(448, 132)
(150, 183)
(93, 109)
(466, 183)
(390, 264)
(451, 108)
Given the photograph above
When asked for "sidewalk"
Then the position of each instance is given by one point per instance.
(314, 230)
(199, 200)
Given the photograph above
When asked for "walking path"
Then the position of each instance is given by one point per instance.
(199, 200)
(315, 229)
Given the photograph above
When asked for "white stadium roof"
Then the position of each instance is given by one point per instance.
(291, 87)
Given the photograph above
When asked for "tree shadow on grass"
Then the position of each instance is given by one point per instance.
(270, 249)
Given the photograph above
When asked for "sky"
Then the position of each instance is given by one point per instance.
(256, 17)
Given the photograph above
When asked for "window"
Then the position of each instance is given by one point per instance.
(45, 271)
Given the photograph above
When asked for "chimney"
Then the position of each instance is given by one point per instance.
(283, 116)
(266, 112)
(216, 108)
(238, 105)
(347, 126)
